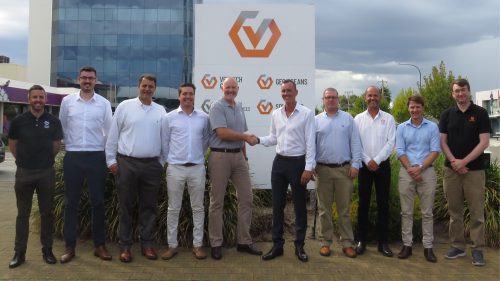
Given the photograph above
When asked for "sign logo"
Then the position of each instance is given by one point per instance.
(254, 37)
(208, 82)
(206, 106)
(264, 107)
(264, 83)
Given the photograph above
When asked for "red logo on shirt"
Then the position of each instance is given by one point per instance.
(472, 119)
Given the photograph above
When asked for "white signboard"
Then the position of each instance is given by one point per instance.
(259, 45)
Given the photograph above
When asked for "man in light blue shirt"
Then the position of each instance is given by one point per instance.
(417, 146)
(338, 159)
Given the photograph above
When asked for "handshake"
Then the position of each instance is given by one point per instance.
(252, 139)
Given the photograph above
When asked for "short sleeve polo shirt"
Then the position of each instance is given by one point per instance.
(35, 137)
(463, 130)
(223, 115)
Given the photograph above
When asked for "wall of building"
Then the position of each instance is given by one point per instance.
(39, 42)
(13, 71)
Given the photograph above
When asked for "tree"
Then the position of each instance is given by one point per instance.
(437, 91)
(347, 102)
(399, 108)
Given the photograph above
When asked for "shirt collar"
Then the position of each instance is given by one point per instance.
(179, 110)
(93, 98)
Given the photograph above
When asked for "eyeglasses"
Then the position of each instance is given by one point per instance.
(331, 98)
(87, 78)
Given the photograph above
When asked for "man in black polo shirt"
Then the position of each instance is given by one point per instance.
(465, 133)
(34, 140)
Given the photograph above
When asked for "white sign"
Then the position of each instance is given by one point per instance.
(259, 45)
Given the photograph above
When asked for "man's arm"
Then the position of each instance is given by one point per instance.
(112, 142)
(165, 139)
(56, 146)
(230, 135)
(484, 142)
(13, 147)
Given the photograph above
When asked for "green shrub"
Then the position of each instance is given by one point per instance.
(262, 198)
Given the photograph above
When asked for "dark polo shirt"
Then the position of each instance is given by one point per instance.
(463, 129)
(35, 137)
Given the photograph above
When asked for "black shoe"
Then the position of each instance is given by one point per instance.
(17, 260)
(405, 252)
(248, 248)
(429, 255)
(273, 253)
(360, 248)
(48, 256)
(385, 250)
(301, 254)
(217, 253)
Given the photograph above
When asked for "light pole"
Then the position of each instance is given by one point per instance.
(348, 93)
(419, 73)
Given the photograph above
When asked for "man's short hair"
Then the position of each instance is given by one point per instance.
(147, 76)
(88, 69)
(330, 89)
(34, 88)
(290, 81)
(187, 84)
(416, 98)
(461, 82)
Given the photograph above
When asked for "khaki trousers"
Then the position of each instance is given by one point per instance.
(225, 166)
(470, 186)
(426, 190)
(334, 184)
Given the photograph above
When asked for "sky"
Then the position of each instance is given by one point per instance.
(361, 42)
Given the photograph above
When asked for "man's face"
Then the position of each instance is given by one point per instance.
(288, 92)
(186, 97)
(87, 81)
(416, 110)
(37, 100)
(147, 89)
(460, 94)
(230, 89)
(331, 101)
(372, 98)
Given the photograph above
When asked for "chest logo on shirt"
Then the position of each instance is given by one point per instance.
(46, 124)
(472, 119)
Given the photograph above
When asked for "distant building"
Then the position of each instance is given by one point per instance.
(490, 100)
(4, 59)
(121, 39)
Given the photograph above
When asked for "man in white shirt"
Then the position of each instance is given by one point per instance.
(338, 159)
(292, 131)
(184, 142)
(377, 130)
(86, 118)
(133, 151)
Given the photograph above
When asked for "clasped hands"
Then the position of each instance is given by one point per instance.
(251, 139)
(458, 166)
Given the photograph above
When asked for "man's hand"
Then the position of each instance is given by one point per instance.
(251, 140)
(414, 171)
(458, 164)
(306, 177)
(372, 166)
(352, 173)
(114, 168)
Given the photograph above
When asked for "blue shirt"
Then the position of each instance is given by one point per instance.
(337, 139)
(417, 142)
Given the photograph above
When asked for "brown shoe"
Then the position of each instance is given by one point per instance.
(125, 255)
(149, 253)
(349, 252)
(199, 253)
(325, 251)
(102, 253)
(169, 253)
(68, 255)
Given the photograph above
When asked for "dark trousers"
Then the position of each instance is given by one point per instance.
(138, 181)
(288, 172)
(382, 180)
(27, 181)
(78, 167)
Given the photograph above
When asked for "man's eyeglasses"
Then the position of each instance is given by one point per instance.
(87, 78)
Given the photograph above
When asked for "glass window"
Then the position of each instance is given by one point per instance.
(150, 66)
(110, 65)
(83, 40)
(123, 27)
(110, 52)
(82, 53)
(60, 53)
(123, 53)
(149, 52)
(163, 64)
(110, 27)
(70, 53)
(97, 26)
(98, 14)
(97, 40)
(150, 27)
(60, 40)
(163, 40)
(176, 15)
(69, 65)
(164, 27)
(97, 64)
(111, 3)
(163, 15)
(136, 27)
(83, 61)
(136, 40)
(137, 15)
(123, 40)
(110, 40)
(84, 27)
(61, 14)
(149, 40)
(123, 66)
(177, 27)
(151, 14)
(170, 4)
(111, 14)
(136, 53)
(137, 66)
(70, 40)
(71, 14)
(124, 14)
(84, 14)
(97, 53)
(69, 27)
(151, 3)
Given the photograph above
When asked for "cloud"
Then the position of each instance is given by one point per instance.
(14, 17)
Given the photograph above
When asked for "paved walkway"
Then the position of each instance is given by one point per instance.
(233, 266)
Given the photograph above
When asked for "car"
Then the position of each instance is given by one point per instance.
(2, 151)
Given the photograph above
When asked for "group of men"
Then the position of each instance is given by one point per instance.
(141, 137)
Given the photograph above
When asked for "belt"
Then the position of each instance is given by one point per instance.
(230, 150)
(146, 159)
(333, 165)
(283, 157)
(189, 164)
